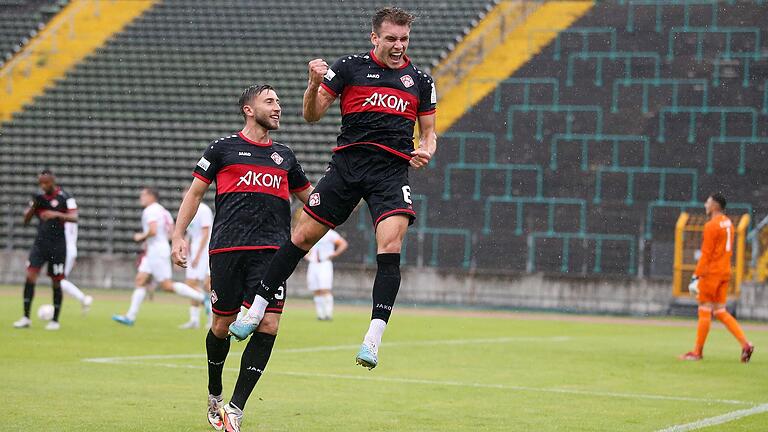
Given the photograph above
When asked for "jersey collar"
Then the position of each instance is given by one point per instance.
(384, 65)
(54, 194)
(249, 141)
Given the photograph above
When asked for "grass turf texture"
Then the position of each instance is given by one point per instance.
(476, 373)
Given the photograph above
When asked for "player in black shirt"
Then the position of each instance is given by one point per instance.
(254, 179)
(53, 206)
(382, 96)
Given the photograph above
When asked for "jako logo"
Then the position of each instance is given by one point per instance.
(373, 76)
(243, 154)
(253, 178)
(387, 101)
(383, 306)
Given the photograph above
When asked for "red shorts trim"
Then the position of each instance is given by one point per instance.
(241, 248)
(392, 213)
(225, 313)
(318, 218)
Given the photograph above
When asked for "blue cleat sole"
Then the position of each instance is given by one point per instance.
(241, 331)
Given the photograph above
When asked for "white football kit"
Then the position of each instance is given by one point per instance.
(203, 218)
(320, 269)
(70, 235)
(157, 251)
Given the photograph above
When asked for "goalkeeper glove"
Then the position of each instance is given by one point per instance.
(693, 287)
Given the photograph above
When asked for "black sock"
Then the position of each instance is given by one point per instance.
(217, 350)
(283, 264)
(252, 365)
(29, 294)
(56, 300)
(386, 285)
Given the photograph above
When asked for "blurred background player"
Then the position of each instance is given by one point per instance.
(156, 224)
(53, 207)
(198, 271)
(254, 180)
(711, 278)
(382, 97)
(320, 271)
(70, 233)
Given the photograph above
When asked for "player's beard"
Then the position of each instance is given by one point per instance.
(266, 122)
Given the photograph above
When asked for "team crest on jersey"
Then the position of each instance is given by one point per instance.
(407, 81)
(214, 297)
(54, 203)
(314, 199)
(277, 158)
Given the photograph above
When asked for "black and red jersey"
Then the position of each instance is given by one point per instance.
(52, 230)
(253, 185)
(379, 105)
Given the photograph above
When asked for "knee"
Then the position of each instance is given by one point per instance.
(220, 330)
(269, 327)
(390, 246)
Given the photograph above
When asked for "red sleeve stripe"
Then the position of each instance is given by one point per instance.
(203, 179)
(328, 89)
(301, 188)
(425, 113)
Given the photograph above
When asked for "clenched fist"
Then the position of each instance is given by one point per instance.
(317, 70)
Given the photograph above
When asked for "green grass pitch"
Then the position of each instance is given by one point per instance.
(439, 370)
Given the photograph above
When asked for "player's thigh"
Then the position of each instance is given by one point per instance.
(389, 195)
(57, 257)
(161, 269)
(325, 275)
(228, 271)
(69, 263)
(36, 259)
(335, 196)
(258, 262)
(312, 278)
(708, 287)
(721, 293)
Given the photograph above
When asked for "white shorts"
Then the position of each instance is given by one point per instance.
(320, 275)
(69, 262)
(158, 267)
(201, 271)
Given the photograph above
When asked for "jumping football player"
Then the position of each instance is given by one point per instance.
(383, 96)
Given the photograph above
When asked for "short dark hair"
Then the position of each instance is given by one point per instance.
(719, 199)
(251, 92)
(152, 191)
(395, 15)
(46, 171)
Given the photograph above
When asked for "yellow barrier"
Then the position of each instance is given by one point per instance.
(75, 32)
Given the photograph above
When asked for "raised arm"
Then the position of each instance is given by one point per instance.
(317, 100)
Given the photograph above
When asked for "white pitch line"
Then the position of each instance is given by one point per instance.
(119, 361)
(712, 421)
(345, 347)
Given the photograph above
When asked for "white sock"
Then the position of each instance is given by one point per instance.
(258, 308)
(187, 291)
(243, 312)
(320, 306)
(194, 314)
(375, 331)
(328, 305)
(136, 299)
(72, 289)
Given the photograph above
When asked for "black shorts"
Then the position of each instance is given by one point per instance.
(234, 278)
(52, 252)
(362, 172)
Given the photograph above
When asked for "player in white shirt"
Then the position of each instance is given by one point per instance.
(155, 264)
(70, 234)
(198, 271)
(320, 271)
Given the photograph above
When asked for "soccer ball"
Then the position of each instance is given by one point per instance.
(45, 312)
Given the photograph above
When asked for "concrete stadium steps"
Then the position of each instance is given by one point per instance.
(21, 20)
(141, 108)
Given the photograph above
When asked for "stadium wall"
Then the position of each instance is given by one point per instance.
(431, 286)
